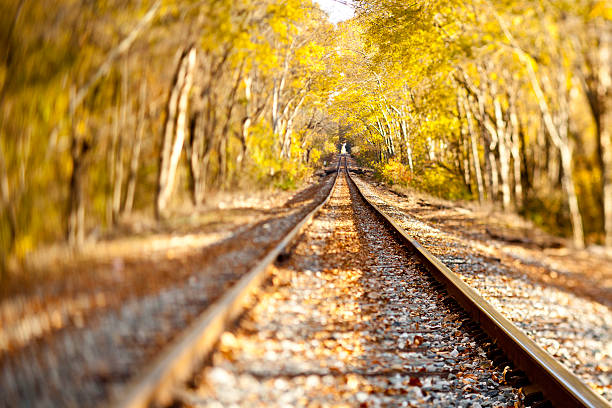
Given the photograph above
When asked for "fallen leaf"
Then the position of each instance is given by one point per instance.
(415, 382)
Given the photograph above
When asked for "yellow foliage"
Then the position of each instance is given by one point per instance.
(329, 147)
(315, 155)
(602, 8)
(394, 172)
(438, 182)
(23, 245)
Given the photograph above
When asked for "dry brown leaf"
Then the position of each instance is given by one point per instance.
(415, 382)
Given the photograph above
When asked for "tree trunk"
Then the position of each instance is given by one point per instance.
(467, 174)
(463, 145)
(490, 147)
(539, 157)
(136, 147)
(383, 134)
(490, 174)
(174, 135)
(118, 181)
(181, 125)
(171, 107)
(111, 163)
(196, 162)
(565, 152)
(553, 165)
(475, 153)
(222, 161)
(408, 147)
(527, 162)
(7, 205)
(502, 149)
(286, 149)
(603, 119)
(246, 121)
(120, 155)
(76, 210)
(279, 86)
(572, 198)
(605, 142)
(389, 132)
(431, 149)
(515, 151)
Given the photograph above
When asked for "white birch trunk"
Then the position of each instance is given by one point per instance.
(167, 189)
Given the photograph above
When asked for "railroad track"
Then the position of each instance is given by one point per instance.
(358, 313)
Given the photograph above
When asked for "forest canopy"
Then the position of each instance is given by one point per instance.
(500, 101)
(108, 107)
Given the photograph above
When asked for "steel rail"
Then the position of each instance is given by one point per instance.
(177, 361)
(562, 387)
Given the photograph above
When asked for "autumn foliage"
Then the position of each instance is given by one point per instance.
(503, 102)
(111, 107)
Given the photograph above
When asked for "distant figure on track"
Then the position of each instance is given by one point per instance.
(343, 150)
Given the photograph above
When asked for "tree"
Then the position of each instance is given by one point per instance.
(482, 82)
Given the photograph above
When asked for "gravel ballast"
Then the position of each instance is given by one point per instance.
(349, 320)
(575, 329)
